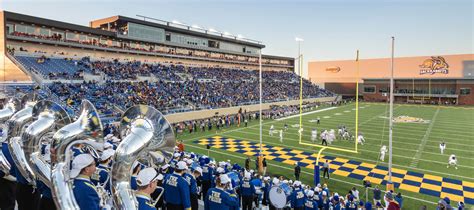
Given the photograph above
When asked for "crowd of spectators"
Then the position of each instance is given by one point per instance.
(145, 47)
(184, 95)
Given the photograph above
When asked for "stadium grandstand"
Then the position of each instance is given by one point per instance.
(141, 113)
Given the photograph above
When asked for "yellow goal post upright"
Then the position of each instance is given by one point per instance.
(321, 147)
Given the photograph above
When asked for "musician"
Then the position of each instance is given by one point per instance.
(104, 170)
(248, 192)
(324, 200)
(219, 171)
(351, 203)
(159, 190)
(177, 196)
(192, 183)
(207, 177)
(77, 149)
(147, 181)
(136, 167)
(46, 201)
(256, 182)
(219, 198)
(310, 203)
(7, 182)
(335, 203)
(297, 197)
(83, 166)
(164, 169)
(265, 189)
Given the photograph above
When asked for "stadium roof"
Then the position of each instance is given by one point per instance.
(54, 23)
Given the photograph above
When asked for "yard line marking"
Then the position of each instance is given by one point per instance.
(419, 151)
(312, 112)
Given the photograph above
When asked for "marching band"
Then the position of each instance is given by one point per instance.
(68, 164)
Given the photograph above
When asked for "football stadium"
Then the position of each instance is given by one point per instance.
(136, 112)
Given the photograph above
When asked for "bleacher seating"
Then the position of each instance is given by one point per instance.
(52, 68)
(177, 88)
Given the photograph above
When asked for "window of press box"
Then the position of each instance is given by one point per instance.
(369, 89)
(465, 91)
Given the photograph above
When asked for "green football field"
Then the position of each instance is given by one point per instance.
(421, 168)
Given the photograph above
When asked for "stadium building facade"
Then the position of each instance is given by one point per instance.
(145, 39)
(438, 79)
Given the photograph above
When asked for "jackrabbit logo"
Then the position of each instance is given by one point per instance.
(436, 64)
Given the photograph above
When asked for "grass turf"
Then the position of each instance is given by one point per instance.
(415, 145)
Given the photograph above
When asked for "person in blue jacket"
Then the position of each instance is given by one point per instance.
(77, 150)
(297, 197)
(191, 180)
(207, 177)
(336, 205)
(256, 182)
(46, 201)
(310, 203)
(136, 167)
(351, 204)
(177, 196)
(147, 181)
(104, 170)
(248, 191)
(325, 200)
(7, 181)
(83, 166)
(219, 198)
(266, 189)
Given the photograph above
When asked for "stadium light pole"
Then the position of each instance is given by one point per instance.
(390, 134)
(260, 92)
(300, 72)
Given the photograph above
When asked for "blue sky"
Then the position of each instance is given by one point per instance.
(332, 29)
